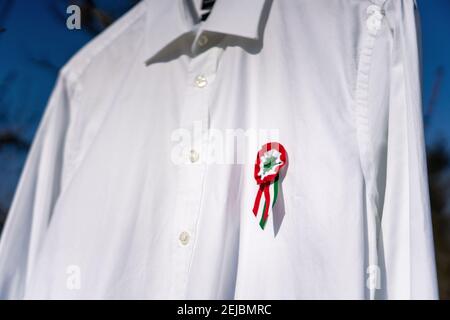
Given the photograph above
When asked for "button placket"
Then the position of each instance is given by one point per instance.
(191, 175)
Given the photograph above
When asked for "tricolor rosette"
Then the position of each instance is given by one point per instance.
(269, 161)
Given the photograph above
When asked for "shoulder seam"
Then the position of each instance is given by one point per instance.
(85, 55)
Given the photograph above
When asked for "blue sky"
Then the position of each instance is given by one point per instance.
(36, 44)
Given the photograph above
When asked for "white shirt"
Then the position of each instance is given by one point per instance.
(130, 191)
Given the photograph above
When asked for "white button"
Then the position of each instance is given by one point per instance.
(194, 156)
(374, 9)
(375, 18)
(200, 81)
(202, 40)
(184, 238)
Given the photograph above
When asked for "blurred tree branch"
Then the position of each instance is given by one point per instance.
(3, 213)
(437, 84)
(93, 18)
(438, 161)
(5, 8)
(14, 139)
(46, 64)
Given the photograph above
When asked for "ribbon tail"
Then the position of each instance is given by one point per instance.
(275, 190)
(258, 200)
(265, 214)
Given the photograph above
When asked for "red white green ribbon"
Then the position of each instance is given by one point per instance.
(270, 159)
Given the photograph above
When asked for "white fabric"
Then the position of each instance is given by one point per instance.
(103, 210)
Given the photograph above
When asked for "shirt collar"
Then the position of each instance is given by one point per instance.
(167, 20)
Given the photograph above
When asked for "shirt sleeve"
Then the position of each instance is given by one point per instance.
(406, 241)
(35, 196)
